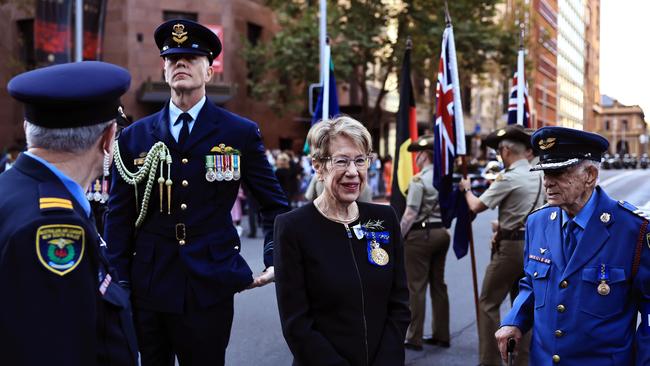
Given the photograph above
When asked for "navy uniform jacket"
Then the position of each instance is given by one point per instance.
(60, 305)
(160, 270)
(571, 322)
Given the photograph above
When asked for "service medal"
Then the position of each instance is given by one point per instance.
(603, 289)
(379, 256)
(97, 196)
(219, 173)
(228, 175)
(210, 164)
(235, 165)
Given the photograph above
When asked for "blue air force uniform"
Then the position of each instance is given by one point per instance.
(182, 262)
(61, 303)
(581, 297)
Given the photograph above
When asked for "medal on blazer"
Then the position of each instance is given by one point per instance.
(210, 166)
(226, 164)
(376, 254)
(603, 288)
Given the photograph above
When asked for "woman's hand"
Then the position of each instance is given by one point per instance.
(266, 277)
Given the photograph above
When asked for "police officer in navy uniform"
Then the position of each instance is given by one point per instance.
(61, 302)
(586, 263)
(179, 251)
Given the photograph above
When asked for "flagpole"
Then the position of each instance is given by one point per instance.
(458, 112)
(78, 32)
(326, 81)
(520, 78)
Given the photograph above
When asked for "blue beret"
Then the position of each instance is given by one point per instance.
(71, 95)
(182, 36)
(560, 147)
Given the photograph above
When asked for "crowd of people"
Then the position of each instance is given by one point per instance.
(157, 283)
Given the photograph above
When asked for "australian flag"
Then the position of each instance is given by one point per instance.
(449, 143)
(515, 104)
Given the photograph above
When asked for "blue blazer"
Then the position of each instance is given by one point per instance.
(67, 313)
(559, 300)
(159, 269)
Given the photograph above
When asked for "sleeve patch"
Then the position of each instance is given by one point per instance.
(60, 247)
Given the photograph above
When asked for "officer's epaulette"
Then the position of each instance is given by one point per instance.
(53, 197)
(633, 209)
(540, 208)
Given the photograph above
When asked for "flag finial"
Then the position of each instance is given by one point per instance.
(447, 16)
(522, 27)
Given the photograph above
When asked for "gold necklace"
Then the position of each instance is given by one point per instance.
(340, 221)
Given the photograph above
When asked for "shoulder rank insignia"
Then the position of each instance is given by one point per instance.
(50, 203)
(630, 207)
(60, 247)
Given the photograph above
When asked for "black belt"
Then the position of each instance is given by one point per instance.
(426, 225)
(518, 234)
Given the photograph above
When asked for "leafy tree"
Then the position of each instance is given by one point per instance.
(368, 40)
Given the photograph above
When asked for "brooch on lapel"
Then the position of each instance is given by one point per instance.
(375, 235)
(223, 164)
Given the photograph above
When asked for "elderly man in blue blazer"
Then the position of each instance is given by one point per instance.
(586, 263)
(176, 177)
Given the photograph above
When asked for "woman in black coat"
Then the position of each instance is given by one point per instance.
(339, 265)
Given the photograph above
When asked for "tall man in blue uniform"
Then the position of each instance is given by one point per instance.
(61, 304)
(586, 263)
(179, 251)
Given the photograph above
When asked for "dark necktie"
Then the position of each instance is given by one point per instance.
(185, 130)
(570, 241)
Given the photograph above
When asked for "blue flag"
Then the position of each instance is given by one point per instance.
(333, 102)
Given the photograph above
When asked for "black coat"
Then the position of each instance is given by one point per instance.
(336, 308)
(60, 303)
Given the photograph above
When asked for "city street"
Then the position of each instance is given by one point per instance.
(257, 338)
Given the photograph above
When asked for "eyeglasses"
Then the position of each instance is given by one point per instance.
(342, 162)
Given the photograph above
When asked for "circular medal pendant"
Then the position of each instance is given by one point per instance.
(236, 175)
(210, 176)
(219, 175)
(104, 198)
(603, 289)
(379, 256)
(97, 196)
(227, 175)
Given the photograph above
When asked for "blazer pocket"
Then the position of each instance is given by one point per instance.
(538, 272)
(233, 270)
(603, 306)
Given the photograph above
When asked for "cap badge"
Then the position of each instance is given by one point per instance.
(179, 35)
(548, 143)
(422, 142)
(605, 217)
(501, 133)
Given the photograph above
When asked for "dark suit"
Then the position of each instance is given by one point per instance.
(337, 308)
(168, 278)
(60, 303)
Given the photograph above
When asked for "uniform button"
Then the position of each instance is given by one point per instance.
(561, 308)
(535, 274)
(181, 242)
(556, 359)
(564, 284)
(236, 247)
(185, 183)
(184, 161)
(559, 333)
(183, 206)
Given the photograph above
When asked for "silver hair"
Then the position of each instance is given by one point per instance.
(72, 140)
(322, 133)
(516, 146)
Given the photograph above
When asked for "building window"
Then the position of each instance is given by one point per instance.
(253, 34)
(26, 35)
(172, 14)
(606, 125)
(625, 125)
